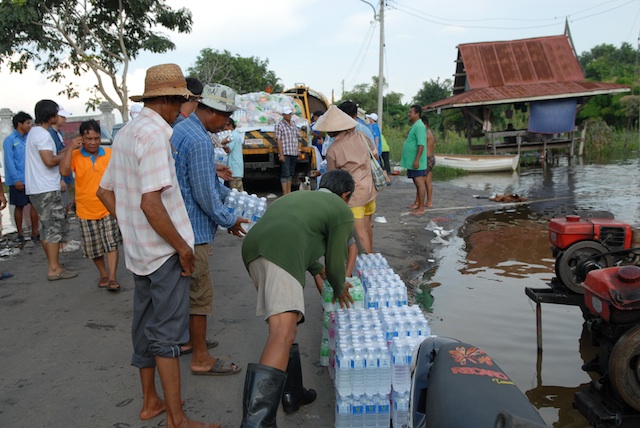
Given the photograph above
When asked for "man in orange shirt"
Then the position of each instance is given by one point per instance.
(100, 232)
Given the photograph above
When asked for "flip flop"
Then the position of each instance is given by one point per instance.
(210, 345)
(104, 282)
(113, 285)
(6, 275)
(64, 274)
(220, 368)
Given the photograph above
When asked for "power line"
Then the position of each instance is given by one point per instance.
(358, 60)
(437, 20)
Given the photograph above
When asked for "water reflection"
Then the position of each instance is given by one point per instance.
(477, 292)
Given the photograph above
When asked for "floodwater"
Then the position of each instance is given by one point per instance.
(477, 288)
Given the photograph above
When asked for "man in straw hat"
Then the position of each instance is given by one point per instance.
(140, 188)
(293, 234)
(349, 152)
(204, 198)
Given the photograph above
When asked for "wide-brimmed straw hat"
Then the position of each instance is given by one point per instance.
(164, 80)
(219, 97)
(334, 120)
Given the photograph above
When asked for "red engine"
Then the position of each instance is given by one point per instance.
(612, 296)
(582, 245)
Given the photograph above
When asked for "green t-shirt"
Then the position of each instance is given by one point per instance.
(298, 229)
(417, 137)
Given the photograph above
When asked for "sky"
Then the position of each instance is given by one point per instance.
(331, 45)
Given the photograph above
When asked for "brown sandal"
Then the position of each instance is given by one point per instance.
(104, 282)
(113, 285)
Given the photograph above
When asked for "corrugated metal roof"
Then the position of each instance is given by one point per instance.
(519, 70)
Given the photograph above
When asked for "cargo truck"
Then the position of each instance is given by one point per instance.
(257, 119)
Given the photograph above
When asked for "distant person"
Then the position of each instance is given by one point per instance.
(431, 162)
(375, 130)
(100, 232)
(204, 197)
(195, 86)
(386, 163)
(349, 152)
(141, 190)
(56, 133)
(294, 233)
(3, 205)
(14, 147)
(317, 139)
(414, 158)
(286, 135)
(351, 109)
(236, 161)
(42, 183)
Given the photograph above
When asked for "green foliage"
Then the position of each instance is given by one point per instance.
(366, 96)
(64, 37)
(606, 63)
(245, 75)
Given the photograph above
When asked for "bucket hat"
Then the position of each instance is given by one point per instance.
(334, 120)
(164, 80)
(219, 97)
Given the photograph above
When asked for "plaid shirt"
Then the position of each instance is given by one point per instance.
(141, 163)
(201, 190)
(287, 134)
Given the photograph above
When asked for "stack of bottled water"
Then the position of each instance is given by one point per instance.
(220, 157)
(356, 291)
(370, 350)
(241, 204)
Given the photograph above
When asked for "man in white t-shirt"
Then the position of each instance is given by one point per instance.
(42, 185)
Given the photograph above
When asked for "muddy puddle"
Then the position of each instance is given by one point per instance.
(475, 287)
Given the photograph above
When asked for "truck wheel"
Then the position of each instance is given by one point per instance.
(573, 264)
(624, 367)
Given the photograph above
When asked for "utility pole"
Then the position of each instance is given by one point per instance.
(381, 66)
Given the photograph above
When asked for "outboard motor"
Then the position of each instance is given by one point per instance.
(457, 385)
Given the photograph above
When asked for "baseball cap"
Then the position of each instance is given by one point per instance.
(372, 116)
(62, 112)
(287, 110)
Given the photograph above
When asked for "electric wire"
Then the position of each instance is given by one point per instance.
(359, 58)
(401, 8)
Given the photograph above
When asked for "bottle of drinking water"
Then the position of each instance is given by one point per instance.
(324, 352)
(384, 412)
(220, 156)
(357, 410)
(327, 297)
(231, 203)
(343, 411)
(384, 370)
(343, 371)
(357, 372)
(400, 370)
(249, 213)
(370, 411)
(400, 410)
(357, 292)
(241, 205)
(371, 369)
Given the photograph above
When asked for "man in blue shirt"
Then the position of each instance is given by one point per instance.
(375, 130)
(14, 157)
(204, 199)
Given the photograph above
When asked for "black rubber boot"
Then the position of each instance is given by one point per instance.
(263, 387)
(295, 395)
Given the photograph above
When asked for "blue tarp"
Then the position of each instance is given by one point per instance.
(553, 117)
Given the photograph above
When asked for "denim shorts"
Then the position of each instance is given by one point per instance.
(288, 168)
(413, 173)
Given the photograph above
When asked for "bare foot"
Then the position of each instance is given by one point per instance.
(417, 212)
(412, 206)
(428, 205)
(153, 410)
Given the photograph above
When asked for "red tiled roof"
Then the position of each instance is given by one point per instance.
(525, 70)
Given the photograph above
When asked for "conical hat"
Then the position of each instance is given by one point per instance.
(334, 120)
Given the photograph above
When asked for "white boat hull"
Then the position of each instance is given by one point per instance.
(479, 163)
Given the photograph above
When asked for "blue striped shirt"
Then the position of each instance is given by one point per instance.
(201, 190)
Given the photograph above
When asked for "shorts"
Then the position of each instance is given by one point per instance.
(17, 197)
(160, 314)
(288, 168)
(278, 290)
(54, 226)
(100, 236)
(201, 287)
(431, 162)
(415, 173)
(361, 212)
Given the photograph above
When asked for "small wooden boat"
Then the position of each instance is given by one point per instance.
(479, 163)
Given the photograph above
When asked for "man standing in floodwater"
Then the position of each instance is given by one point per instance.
(414, 158)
